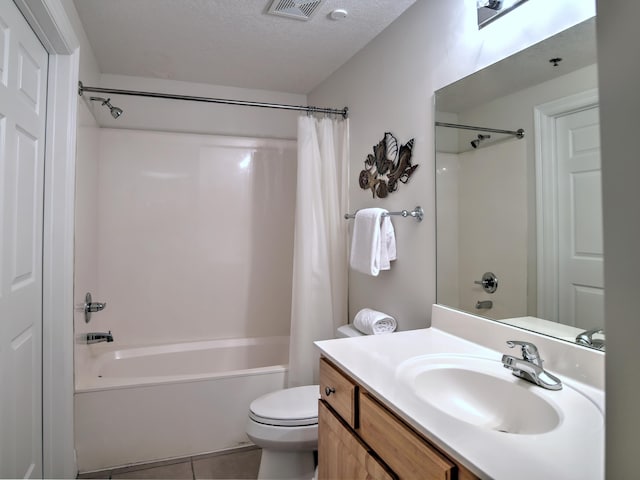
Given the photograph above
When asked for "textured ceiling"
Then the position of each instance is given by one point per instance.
(230, 42)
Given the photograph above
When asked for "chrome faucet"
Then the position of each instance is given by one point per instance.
(586, 338)
(97, 337)
(529, 367)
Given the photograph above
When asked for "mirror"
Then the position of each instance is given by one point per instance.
(519, 220)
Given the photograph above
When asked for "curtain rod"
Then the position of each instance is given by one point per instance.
(518, 133)
(344, 112)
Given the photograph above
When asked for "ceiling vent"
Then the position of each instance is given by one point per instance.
(298, 9)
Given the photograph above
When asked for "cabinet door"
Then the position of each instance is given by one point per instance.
(402, 449)
(341, 454)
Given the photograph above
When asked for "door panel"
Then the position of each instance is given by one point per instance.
(581, 275)
(23, 73)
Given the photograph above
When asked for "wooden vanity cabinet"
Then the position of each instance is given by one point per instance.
(341, 454)
(359, 438)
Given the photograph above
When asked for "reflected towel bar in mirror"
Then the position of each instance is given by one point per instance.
(417, 213)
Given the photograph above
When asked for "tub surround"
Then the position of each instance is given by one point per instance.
(372, 362)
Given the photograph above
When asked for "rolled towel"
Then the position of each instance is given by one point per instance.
(372, 322)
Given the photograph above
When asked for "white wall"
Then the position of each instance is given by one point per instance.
(388, 86)
(619, 77)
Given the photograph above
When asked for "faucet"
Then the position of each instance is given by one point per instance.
(529, 367)
(97, 337)
(586, 338)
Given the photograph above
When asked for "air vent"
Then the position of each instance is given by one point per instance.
(298, 9)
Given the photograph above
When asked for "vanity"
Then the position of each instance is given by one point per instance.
(437, 403)
(361, 438)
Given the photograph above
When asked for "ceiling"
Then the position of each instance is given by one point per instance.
(230, 42)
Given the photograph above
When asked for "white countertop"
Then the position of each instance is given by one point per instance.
(564, 453)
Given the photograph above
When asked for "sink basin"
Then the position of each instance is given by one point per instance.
(481, 392)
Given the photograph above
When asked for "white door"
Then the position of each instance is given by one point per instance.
(23, 74)
(580, 269)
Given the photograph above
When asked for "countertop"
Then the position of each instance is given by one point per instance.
(575, 450)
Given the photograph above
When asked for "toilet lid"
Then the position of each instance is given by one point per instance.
(296, 406)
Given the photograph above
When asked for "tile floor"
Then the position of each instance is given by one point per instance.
(242, 463)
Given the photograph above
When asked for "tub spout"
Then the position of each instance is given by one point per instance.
(97, 337)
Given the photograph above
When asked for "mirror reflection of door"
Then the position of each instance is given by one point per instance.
(580, 259)
(570, 261)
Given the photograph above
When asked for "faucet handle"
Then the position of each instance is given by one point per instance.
(529, 351)
(586, 338)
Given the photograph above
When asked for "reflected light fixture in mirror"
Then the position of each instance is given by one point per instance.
(490, 10)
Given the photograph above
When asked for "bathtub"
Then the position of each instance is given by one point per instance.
(149, 403)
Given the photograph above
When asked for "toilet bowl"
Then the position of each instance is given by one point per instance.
(284, 424)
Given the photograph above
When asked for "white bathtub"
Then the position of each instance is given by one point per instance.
(152, 403)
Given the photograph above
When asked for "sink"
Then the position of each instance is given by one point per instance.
(480, 392)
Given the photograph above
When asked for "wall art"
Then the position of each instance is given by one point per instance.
(388, 165)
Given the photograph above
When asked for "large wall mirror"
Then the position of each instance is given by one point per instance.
(519, 216)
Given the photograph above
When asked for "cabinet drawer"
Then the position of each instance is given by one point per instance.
(341, 454)
(408, 455)
(339, 392)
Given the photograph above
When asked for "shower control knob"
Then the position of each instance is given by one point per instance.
(96, 306)
(92, 307)
(489, 282)
(329, 390)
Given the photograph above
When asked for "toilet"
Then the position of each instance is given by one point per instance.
(284, 424)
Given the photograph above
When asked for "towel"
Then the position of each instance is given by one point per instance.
(373, 242)
(387, 243)
(372, 322)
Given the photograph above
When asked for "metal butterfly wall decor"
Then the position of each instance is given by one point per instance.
(388, 165)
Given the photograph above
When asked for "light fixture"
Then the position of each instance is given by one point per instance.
(492, 4)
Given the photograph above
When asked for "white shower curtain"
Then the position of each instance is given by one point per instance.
(320, 270)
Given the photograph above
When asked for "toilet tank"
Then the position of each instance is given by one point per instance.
(348, 331)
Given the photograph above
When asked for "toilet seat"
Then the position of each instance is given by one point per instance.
(291, 407)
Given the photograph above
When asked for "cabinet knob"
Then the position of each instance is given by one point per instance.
(329, 390)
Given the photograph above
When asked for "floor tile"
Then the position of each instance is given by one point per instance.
(178, 471)
(238, 465)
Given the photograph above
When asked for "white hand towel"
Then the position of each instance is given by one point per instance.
(387, 243)
(366, 241)
(373, 322)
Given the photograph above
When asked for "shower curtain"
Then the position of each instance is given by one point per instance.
(320, 270)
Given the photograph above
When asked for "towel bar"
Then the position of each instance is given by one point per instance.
(417, 213)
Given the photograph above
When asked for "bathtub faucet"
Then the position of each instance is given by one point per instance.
(97, 337)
